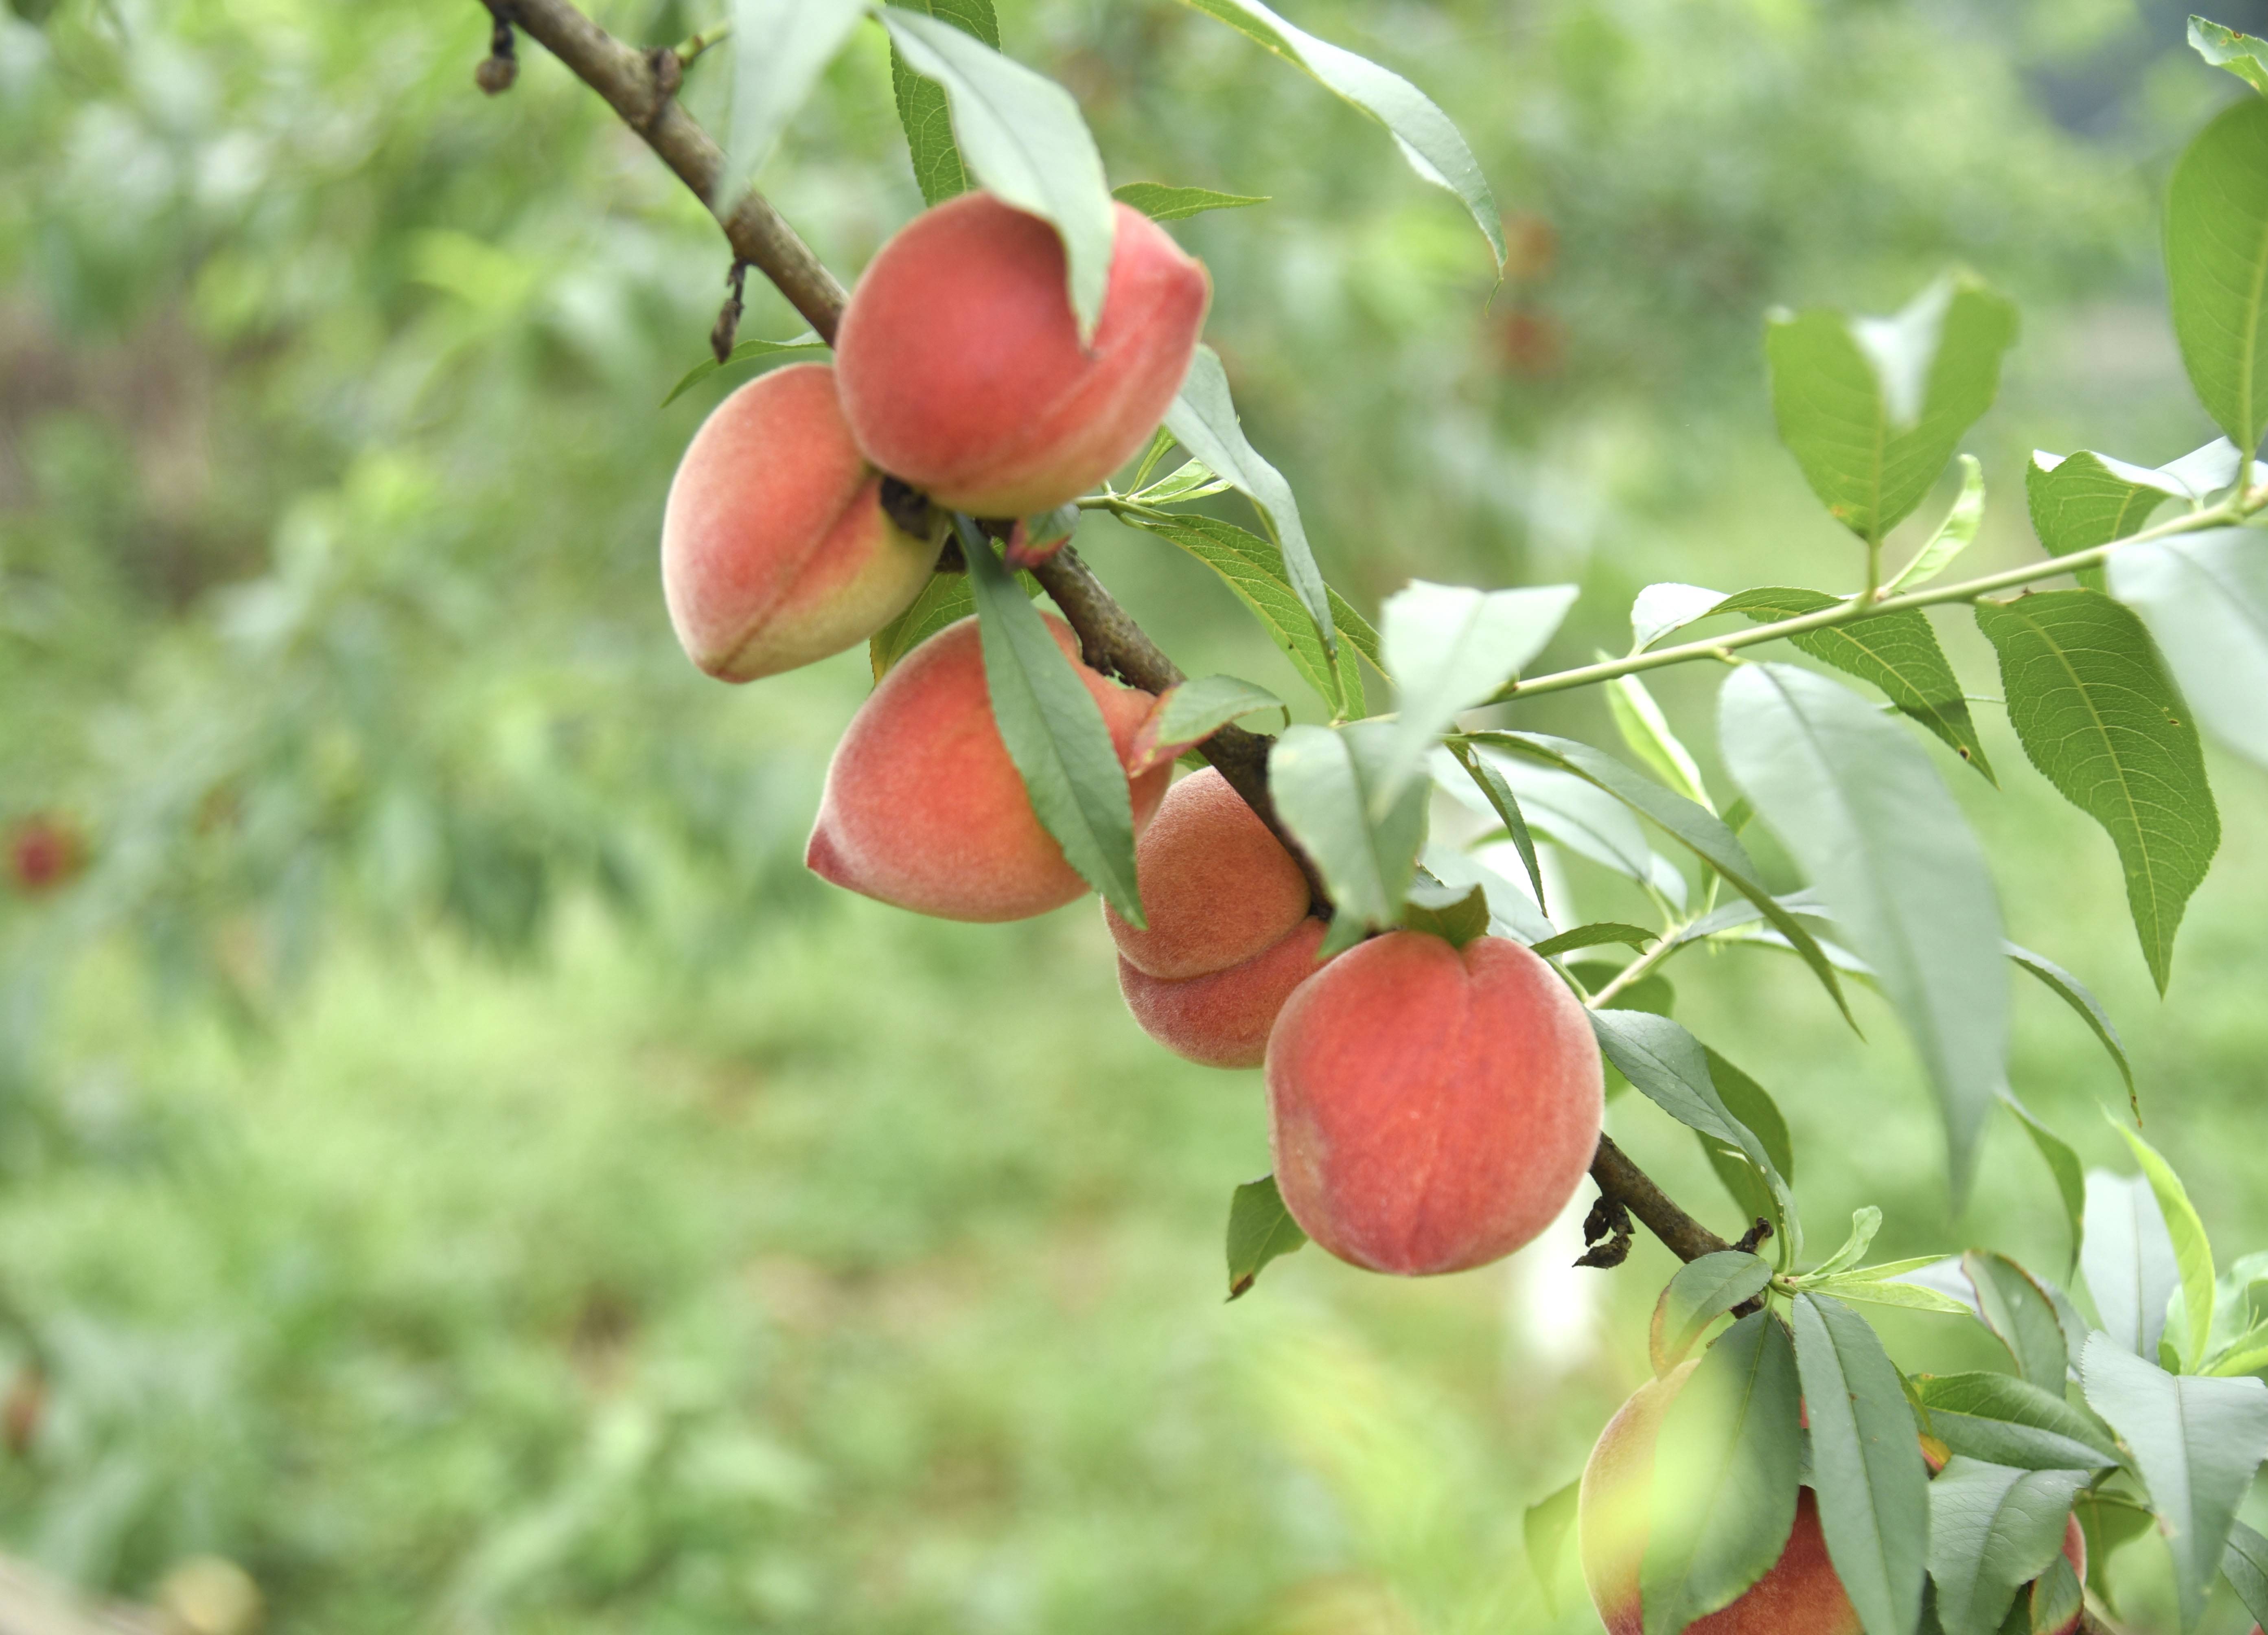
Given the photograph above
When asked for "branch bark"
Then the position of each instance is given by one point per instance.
(640, 86)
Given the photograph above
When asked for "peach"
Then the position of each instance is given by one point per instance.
(961, 367)
(1799, 1595)
(1431, 1108)
(924, 808)
(775, 547)
(1223, 1018)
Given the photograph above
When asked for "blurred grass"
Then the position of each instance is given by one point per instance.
(451, 1160)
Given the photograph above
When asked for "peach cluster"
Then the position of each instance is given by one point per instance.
(1431, 1108)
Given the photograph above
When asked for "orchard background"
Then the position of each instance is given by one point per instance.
(457, 1165)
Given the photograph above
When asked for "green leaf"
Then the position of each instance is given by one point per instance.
(2193, 1252)
(2245, 1563)
(1192, 479)
(922, 110)
(1054, 732)
(2057, 1600)
(1699, 831)
(2076, 994)
(2128, 1261)
(1752, 1104)
(1189, 712)
(2022, 1317)
(783, 350)
(1992, 1528)
(2196, 1442)
(1322, 780)
(780, 48)
(1660, 608)
(2007, 1421)
(2217, 268)
(1428, 141)
(1511, 913)
(1260, 1229)
(1858, 805)
(946, 599)
(2243, 55)
(1872, 408)
(1501, 800)
(1204, 421)
(1583, 818)
(2063, 1164)
(1450, 648)
(2204, 597)
(1161, 202)
(2097, 714)
(1548, 1528)
(1866, 1464)
(1865, 1223)
(1896, 651)
(1594, 935)
(1725, 1472)
(1647, 732)
(1702, 1291)
(1254, 569)
(1953, 536)
(1456, 914)
(1020, 135)
(2079, 501)
(2108, 1519)
(1868, 1287)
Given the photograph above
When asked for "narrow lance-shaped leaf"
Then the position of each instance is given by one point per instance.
(1953, 536)
(921, 111)
(1866, 1464)
(1054, 732)
(2217, 268)
(1204, 421)
(2193, 1252)
(1428, 141)
(780, 48)
(2128, 1260)
(1260, 1229)
(2244, 56)
(2020, 1316)
(2000, 1418)
(1547, 1529)
(1723, 1476)
(2062, 1165)
(2081, 999)
(1896, 651)
(807, 345)
(1322, 781)
(1506, 805)
(2196, 1443)
(1992, 1528)
(1189, 712)
(1023, 137)
(1872, 408)
(2079, 501)
(1161, 202)
(2204, 597)
(2245, 1563)
(1864, 813)
(1647, 732)
(2093, 708)
(1660, 608)
(1702, 1291)
(1865, 1223)
(1449, 648)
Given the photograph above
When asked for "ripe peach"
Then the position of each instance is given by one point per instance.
(1431, 1108)
(922, 806)
(961, 361)
(1799, 1595)
(1217, 886)
(775, 547)
(1223, 1018)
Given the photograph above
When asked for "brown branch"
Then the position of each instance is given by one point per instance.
(640, 86)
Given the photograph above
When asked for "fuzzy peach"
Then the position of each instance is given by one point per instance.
(962, 369)
(924, 808)
(1222, 1019)
(1217, 886)
(1431, 1108)
(1799, 1595)
(775, 547)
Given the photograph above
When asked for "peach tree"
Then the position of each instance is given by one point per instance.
(1436, 1056)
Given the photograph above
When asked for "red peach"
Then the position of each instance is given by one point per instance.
(1223, 1018)
(1799, 1595)
(1432, 1108)
(961, 367)
(775, 547)
(1217, 886)
(922, 806)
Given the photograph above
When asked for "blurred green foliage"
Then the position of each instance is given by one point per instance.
(454, 1162)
